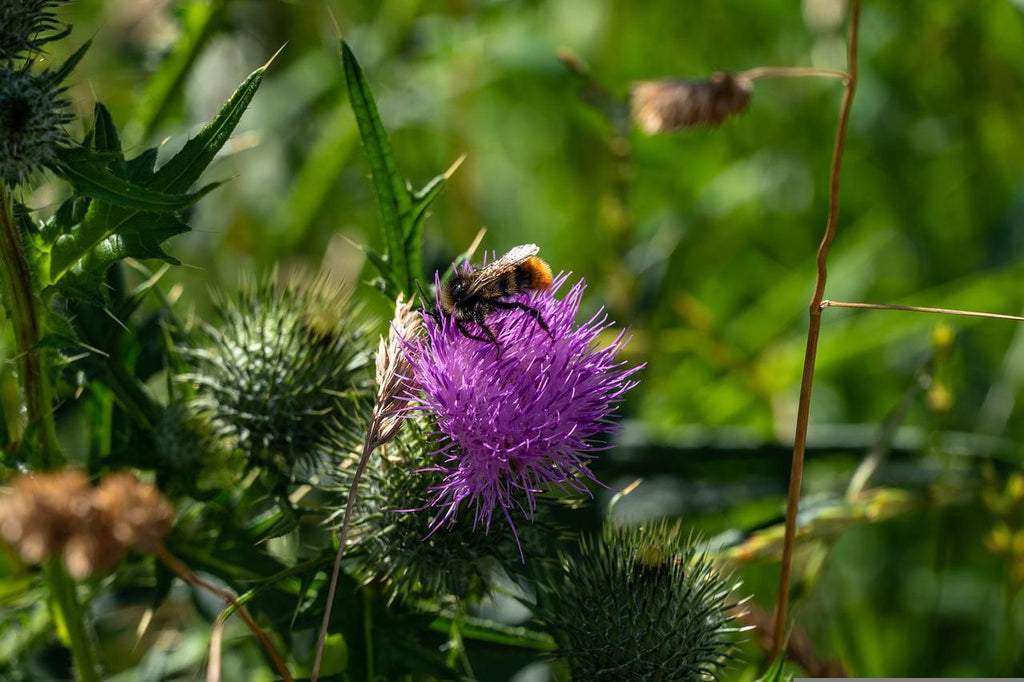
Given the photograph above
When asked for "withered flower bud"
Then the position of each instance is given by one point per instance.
(92, 528)
(666, 106)
(41, 512)
(137, 514)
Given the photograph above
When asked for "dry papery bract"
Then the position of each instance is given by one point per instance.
(392, 368)
(92, 528)
(664, 106)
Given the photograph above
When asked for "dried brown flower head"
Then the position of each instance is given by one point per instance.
(138, 515)
(92, 528)
(666, 106)
(42, 511)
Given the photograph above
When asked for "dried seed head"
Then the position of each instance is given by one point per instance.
(666, 106)
(60, 513)
(40, 513)
(91, 549)
(136, 512)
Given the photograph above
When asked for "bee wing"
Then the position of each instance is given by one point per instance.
(486, 275)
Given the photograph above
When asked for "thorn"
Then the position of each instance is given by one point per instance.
(274, 56)
(334, 22)
(455, 166)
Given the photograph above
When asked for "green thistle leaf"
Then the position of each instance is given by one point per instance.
(89, 172)
(132, 208)
(392, 194)
(402, 210)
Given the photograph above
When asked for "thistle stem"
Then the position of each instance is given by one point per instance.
(369, 444)
(70, 619)
(19, 295)
(23, 304)
(813, 332)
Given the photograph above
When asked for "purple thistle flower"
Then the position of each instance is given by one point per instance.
(519, 424)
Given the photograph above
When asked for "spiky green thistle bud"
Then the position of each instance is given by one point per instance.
(283, 371)
(32, 119)
(640, 604)
(192, 454)
(26, 25)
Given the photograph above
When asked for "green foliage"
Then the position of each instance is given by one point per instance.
(402, 210)
(703, 242)
(132, 207)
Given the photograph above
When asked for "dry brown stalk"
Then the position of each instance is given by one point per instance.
(813, 332)
(392, 368)
(185, 573)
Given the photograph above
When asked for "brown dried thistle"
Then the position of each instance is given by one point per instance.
(42, 512)
(92, 528)
(138, 515)
(664, 106)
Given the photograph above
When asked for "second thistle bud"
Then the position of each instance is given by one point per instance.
(640, 604)
(280, 369)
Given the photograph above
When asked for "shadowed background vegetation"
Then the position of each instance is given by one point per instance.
(702, 242)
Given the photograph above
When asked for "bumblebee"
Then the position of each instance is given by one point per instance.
(472, 295)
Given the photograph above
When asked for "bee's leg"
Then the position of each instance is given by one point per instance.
(532, 312)
(490, 338)
(426, 301)
(481, 321)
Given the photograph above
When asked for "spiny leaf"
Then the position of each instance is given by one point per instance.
(178, 174)
(392, 194)
(65, 69)
(90, 174)
(132, 210)
(378, 261)
(104, 136)
(414, 217)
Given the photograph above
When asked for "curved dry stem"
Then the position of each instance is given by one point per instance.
(179, 568)
(216, 638)
(369, 444)
(813, 332)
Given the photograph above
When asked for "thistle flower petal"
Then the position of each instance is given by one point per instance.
(513, 425)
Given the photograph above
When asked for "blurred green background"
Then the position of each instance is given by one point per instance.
(702, 242)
